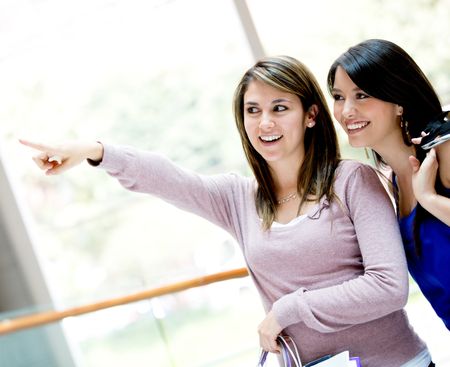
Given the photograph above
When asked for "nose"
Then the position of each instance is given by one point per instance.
(266, 121)
(349, 108)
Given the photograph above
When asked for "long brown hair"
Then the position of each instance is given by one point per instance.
(316, 174)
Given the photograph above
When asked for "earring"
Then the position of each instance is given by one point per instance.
(405, 131)
(311, 124)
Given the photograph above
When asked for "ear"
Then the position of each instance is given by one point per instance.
(311, 115)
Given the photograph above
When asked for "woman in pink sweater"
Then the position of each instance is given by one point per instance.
(318, 233)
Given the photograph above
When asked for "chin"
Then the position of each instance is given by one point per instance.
(354, 143)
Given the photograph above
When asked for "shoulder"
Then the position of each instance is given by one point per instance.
(238, 180)
(356, 177)
(233, 182)
(350, 167)
(360, 187)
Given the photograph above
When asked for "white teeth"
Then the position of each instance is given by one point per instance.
(270, 137)
(357, 125)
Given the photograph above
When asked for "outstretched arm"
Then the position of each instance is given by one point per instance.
(55, 159)
(436, 162)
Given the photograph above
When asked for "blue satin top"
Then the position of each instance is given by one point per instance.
(430, 270)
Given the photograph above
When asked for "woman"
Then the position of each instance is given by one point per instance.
(383, 100)
(331, 274)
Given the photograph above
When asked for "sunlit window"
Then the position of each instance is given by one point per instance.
(160, 75)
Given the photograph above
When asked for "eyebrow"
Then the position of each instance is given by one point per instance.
(280, 100)
(357, 89)
(275, 101)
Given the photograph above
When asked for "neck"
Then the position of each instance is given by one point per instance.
(398, 160)
(395, 153)
(285, 178)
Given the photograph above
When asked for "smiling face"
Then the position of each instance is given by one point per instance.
(368, 121)
(275, 123)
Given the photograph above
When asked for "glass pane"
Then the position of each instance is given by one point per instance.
(317, 32)
(157, 75)
(36, 347)
(212, 326)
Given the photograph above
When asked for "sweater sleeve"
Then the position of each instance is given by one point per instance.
(147, 172)
(381, 289)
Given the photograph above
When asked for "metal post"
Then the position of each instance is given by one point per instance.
(255, 44)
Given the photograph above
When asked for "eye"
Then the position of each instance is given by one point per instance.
(337, 97)
(362, 96)
(252, 110)
(279, 108)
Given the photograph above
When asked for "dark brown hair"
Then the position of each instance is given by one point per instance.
(387, 72)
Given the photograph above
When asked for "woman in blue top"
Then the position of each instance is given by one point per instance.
(382, 99)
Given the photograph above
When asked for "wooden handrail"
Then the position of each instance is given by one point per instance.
(38, 319)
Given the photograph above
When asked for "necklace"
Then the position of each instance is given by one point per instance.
(287, 198)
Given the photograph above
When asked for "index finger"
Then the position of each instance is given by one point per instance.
(35, 145)
(432, 153)
(430, 159)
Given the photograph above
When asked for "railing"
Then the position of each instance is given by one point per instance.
(171, 350)
(42, 318)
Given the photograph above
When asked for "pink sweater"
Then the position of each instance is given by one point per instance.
(336, 280)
